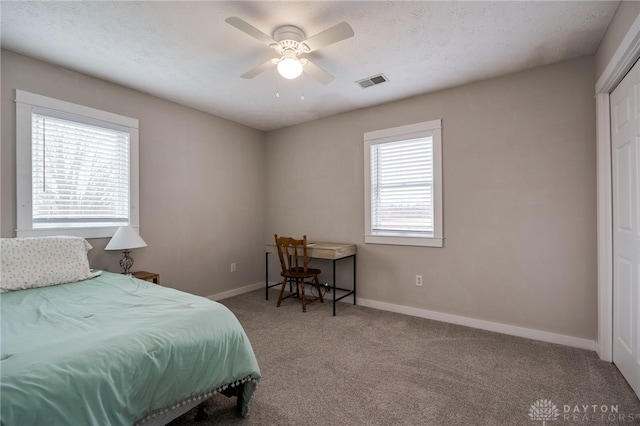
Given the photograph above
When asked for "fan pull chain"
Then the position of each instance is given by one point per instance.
(302, 87)
(277, 93)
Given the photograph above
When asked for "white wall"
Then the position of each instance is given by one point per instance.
(201, 180)
(519, 199)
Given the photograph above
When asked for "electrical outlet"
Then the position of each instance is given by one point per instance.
(233, 267)
(419, 280)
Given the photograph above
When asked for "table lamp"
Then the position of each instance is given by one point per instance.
(126, 238)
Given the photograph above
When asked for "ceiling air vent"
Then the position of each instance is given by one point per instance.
(372, 81)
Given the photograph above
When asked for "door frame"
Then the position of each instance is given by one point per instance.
(621, 62)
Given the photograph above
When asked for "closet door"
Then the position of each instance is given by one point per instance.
(625, 152)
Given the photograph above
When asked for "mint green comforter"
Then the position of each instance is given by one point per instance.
(114, 350)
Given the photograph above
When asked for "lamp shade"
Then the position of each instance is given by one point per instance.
(125, 238)
(289, 67)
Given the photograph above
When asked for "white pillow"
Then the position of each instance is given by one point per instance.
(42, 261)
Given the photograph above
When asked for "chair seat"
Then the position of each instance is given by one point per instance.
(298, 272)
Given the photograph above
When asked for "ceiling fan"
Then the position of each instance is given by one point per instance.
(290, 42)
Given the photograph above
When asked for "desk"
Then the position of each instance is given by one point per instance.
(330, 251)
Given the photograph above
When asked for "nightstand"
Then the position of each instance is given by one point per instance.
(147, 276)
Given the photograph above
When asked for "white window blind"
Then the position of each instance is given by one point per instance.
(402, 187)
(80, 173)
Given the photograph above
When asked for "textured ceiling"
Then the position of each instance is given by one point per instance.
(185, 52)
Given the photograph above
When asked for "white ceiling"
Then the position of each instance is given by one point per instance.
(185, 52)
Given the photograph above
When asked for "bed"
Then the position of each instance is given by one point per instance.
(111, 349)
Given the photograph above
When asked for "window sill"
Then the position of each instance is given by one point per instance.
(98, 232)
(397, 240)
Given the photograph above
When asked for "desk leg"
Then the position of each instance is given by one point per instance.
(354, 279)
(266, 274)
(349, 292)
(334, 287)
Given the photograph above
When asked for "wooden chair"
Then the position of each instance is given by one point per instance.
(290, 251)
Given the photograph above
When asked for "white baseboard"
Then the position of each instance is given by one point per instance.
(512, 330)
(247, 289)
(236, 291)
(497, 327)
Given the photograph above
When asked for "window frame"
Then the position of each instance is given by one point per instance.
(433, 129)
(26, 103)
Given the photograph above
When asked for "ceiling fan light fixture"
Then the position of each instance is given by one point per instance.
(290, 68)
(290, 41)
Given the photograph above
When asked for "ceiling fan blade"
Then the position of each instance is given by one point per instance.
(318, 73)
(329, 36)
(259, 69)
(249, 29)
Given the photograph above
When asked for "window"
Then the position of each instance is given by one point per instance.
(77, 168)
(403, 185)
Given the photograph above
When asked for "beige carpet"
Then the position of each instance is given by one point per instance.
(370, 367)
